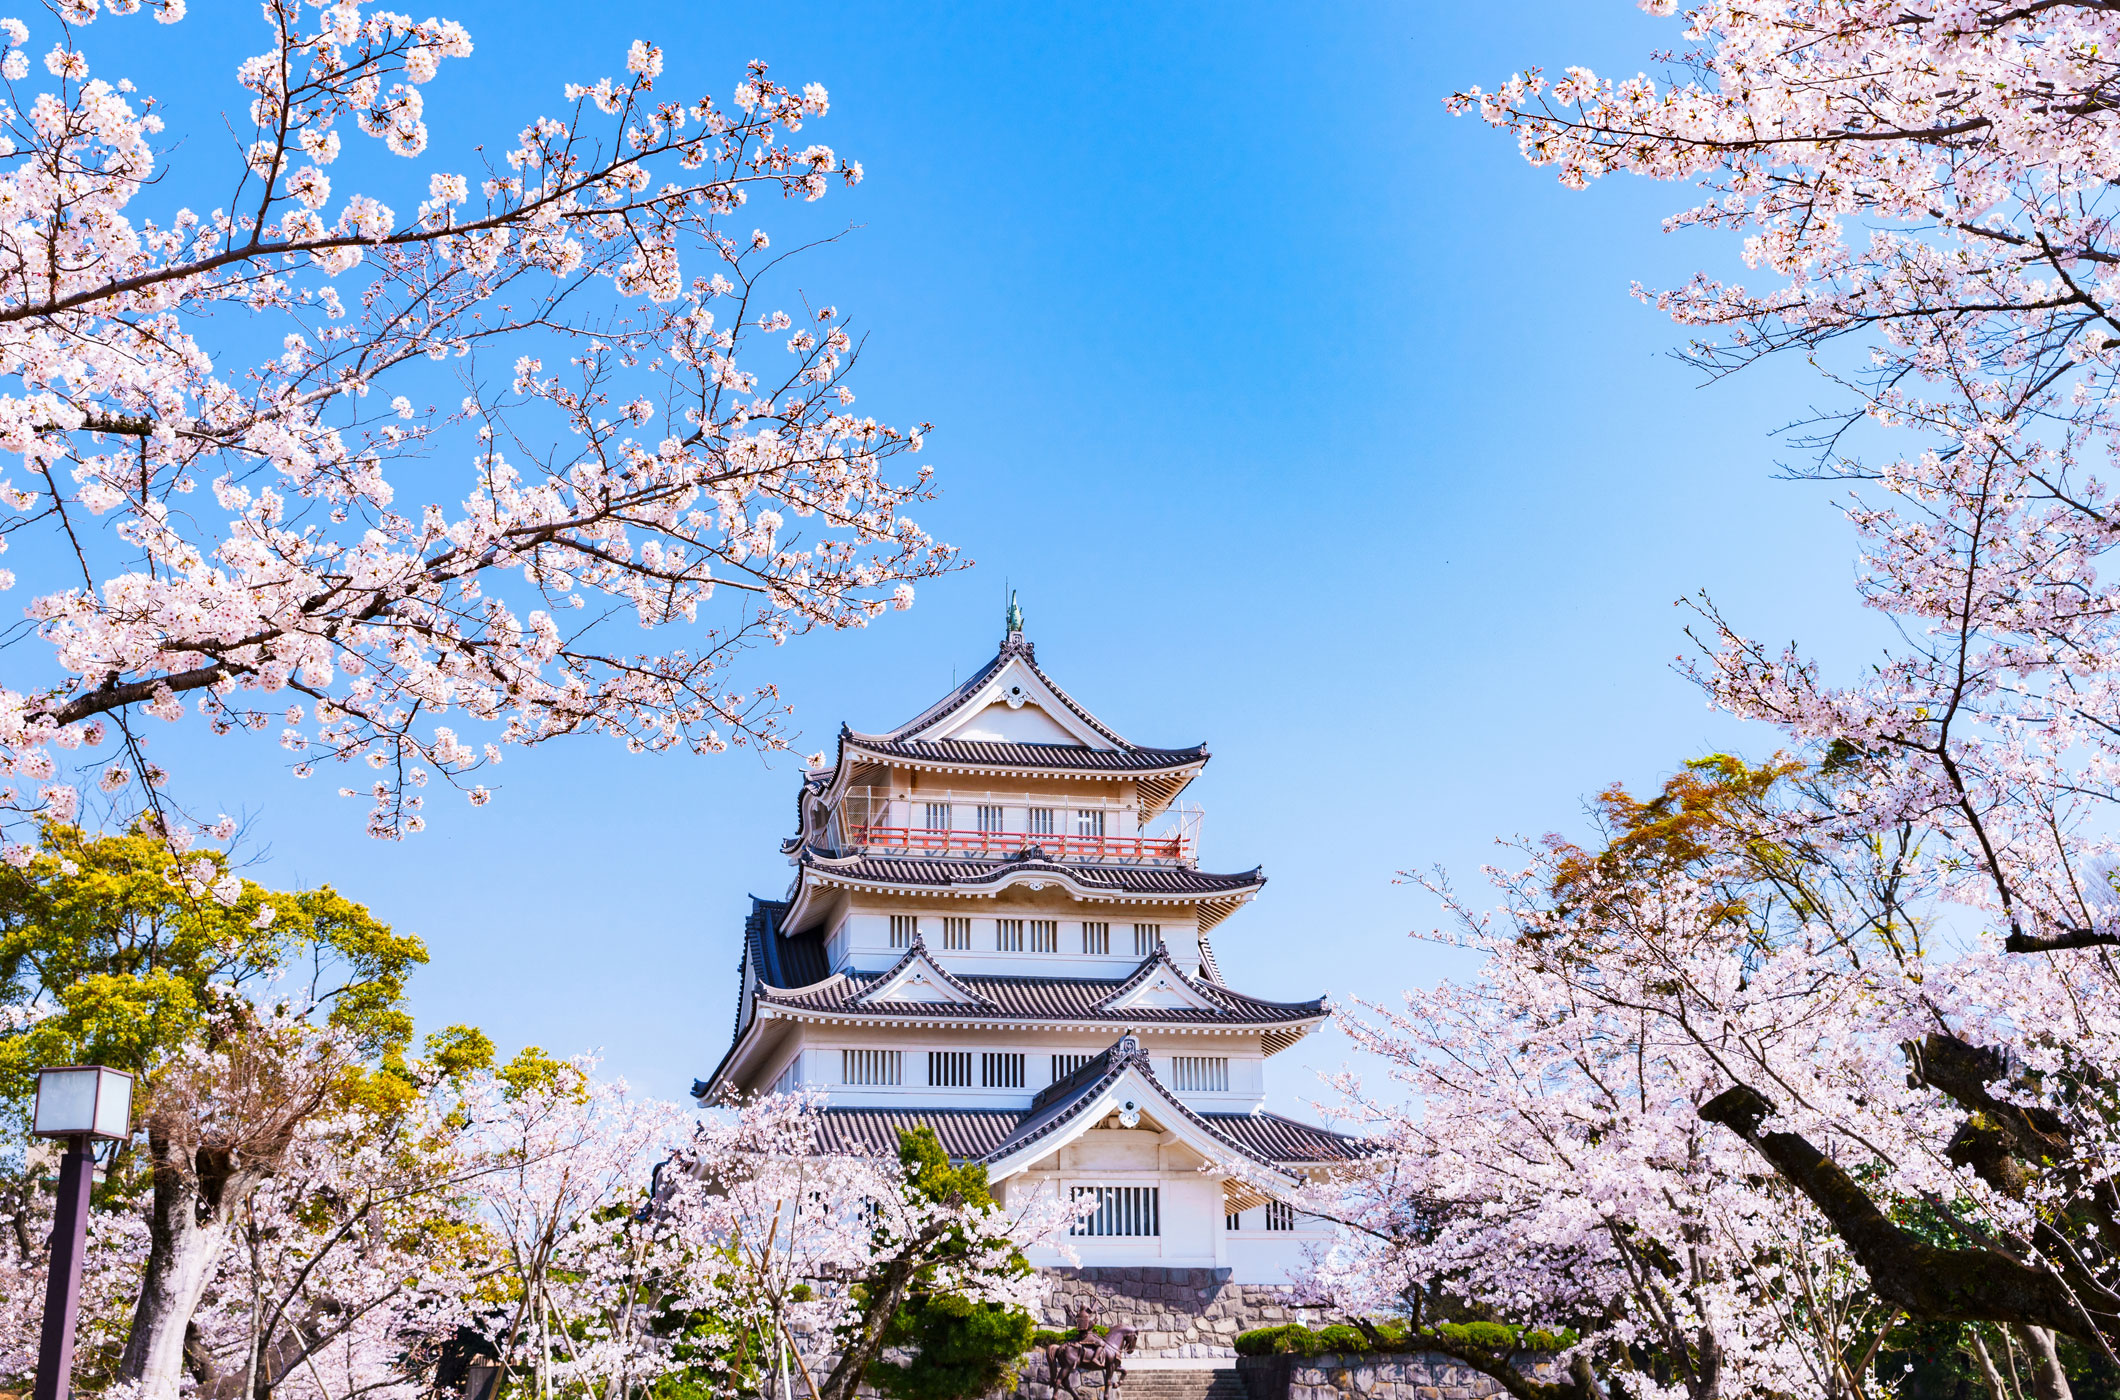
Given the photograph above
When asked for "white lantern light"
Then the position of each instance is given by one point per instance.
(84, 1101)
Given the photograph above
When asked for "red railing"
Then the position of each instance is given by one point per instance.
(933, 841)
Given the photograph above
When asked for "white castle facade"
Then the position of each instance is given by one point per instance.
(997, 926)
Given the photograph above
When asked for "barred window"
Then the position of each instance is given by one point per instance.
(938, 816)
(1208, 1074)
(1280, 1215)
(990, 819)
(872, 1067)
(1001, 1069)
(1096, 938)
(1233, 1221)
(1045, 935)
(1064, 1065)
(950, 1069)
(1008, 935)
(1120, 1210)
(1089, 823)
(1041, 821)
(904, 929)
(956, 933)
(789, 1078)
(1146, 939)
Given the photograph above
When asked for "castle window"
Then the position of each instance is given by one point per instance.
(1096, 938)
(1064, 1065)
(1233, 1221)
(1041, 821)
(789, 1078)
(1089, 823)
(956, 933)
(1280, 1215)
(1008, 935)
(1146, 937)
(1045, 935)
(950, 1069)
(1200, 1073)
(904, 928)
(990, 819)
(872, 1067)
(1001, 1069)
(1120, 1210)
(938, 816)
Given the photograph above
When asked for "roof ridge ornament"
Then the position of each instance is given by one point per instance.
(1014, 629)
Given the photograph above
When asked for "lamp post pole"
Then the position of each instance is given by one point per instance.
(62, 1287)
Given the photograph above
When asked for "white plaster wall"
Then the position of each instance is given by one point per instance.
(822, 1067)
(865, 943)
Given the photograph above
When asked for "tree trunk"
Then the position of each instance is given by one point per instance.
(181, 1255)
(2048, 1380)
(195, 1198)
(1989, 1376)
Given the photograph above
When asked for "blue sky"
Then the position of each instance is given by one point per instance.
(1305, 418)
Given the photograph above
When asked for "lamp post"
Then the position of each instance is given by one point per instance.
(83, 1104)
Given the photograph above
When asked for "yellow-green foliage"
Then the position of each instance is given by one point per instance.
(113, 935)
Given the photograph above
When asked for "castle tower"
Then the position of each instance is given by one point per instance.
(998, 926)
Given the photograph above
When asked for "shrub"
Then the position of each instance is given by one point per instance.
(1291, 1339)
(1294, 1339)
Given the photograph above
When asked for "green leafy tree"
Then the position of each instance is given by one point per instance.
(961, 1347)
(122, 950)
(117, 950)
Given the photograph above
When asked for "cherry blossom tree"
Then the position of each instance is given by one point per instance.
(584, 323)
(1924, 193)
(1539, 1154)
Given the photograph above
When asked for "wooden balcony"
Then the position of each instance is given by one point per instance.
(1169, 849)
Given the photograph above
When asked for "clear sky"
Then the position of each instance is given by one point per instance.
(1306, 419)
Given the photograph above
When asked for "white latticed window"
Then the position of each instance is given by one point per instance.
(1280, 1215)
(1089, 823)
(1232, 1221)
(1001, 1069)
(903, 929)
(1008, 935)
(1064, 1065)
(1041, 821)
(789, 1078)
(938, 816)
(950, 1069)
(1120, 1210)
(990, 819)
(1096, 938)
(872, 1067)
(1206, 1074)
(1146, 937)
(1045, 935)
(956, 933)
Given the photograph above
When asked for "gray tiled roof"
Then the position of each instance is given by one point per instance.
(965, 1132)
(1117, 878)
(1050, 999)
(968, 1134)
(1286, 1139)
(1071, 757)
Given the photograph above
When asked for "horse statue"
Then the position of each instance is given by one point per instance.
(1088, 1352)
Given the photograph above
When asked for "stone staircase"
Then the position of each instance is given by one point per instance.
(1222, 1383)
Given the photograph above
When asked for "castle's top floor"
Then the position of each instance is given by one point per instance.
(1007, 760)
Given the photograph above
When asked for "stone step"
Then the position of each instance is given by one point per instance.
(1221, 1383)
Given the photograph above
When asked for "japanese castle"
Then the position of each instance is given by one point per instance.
(998, 926)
